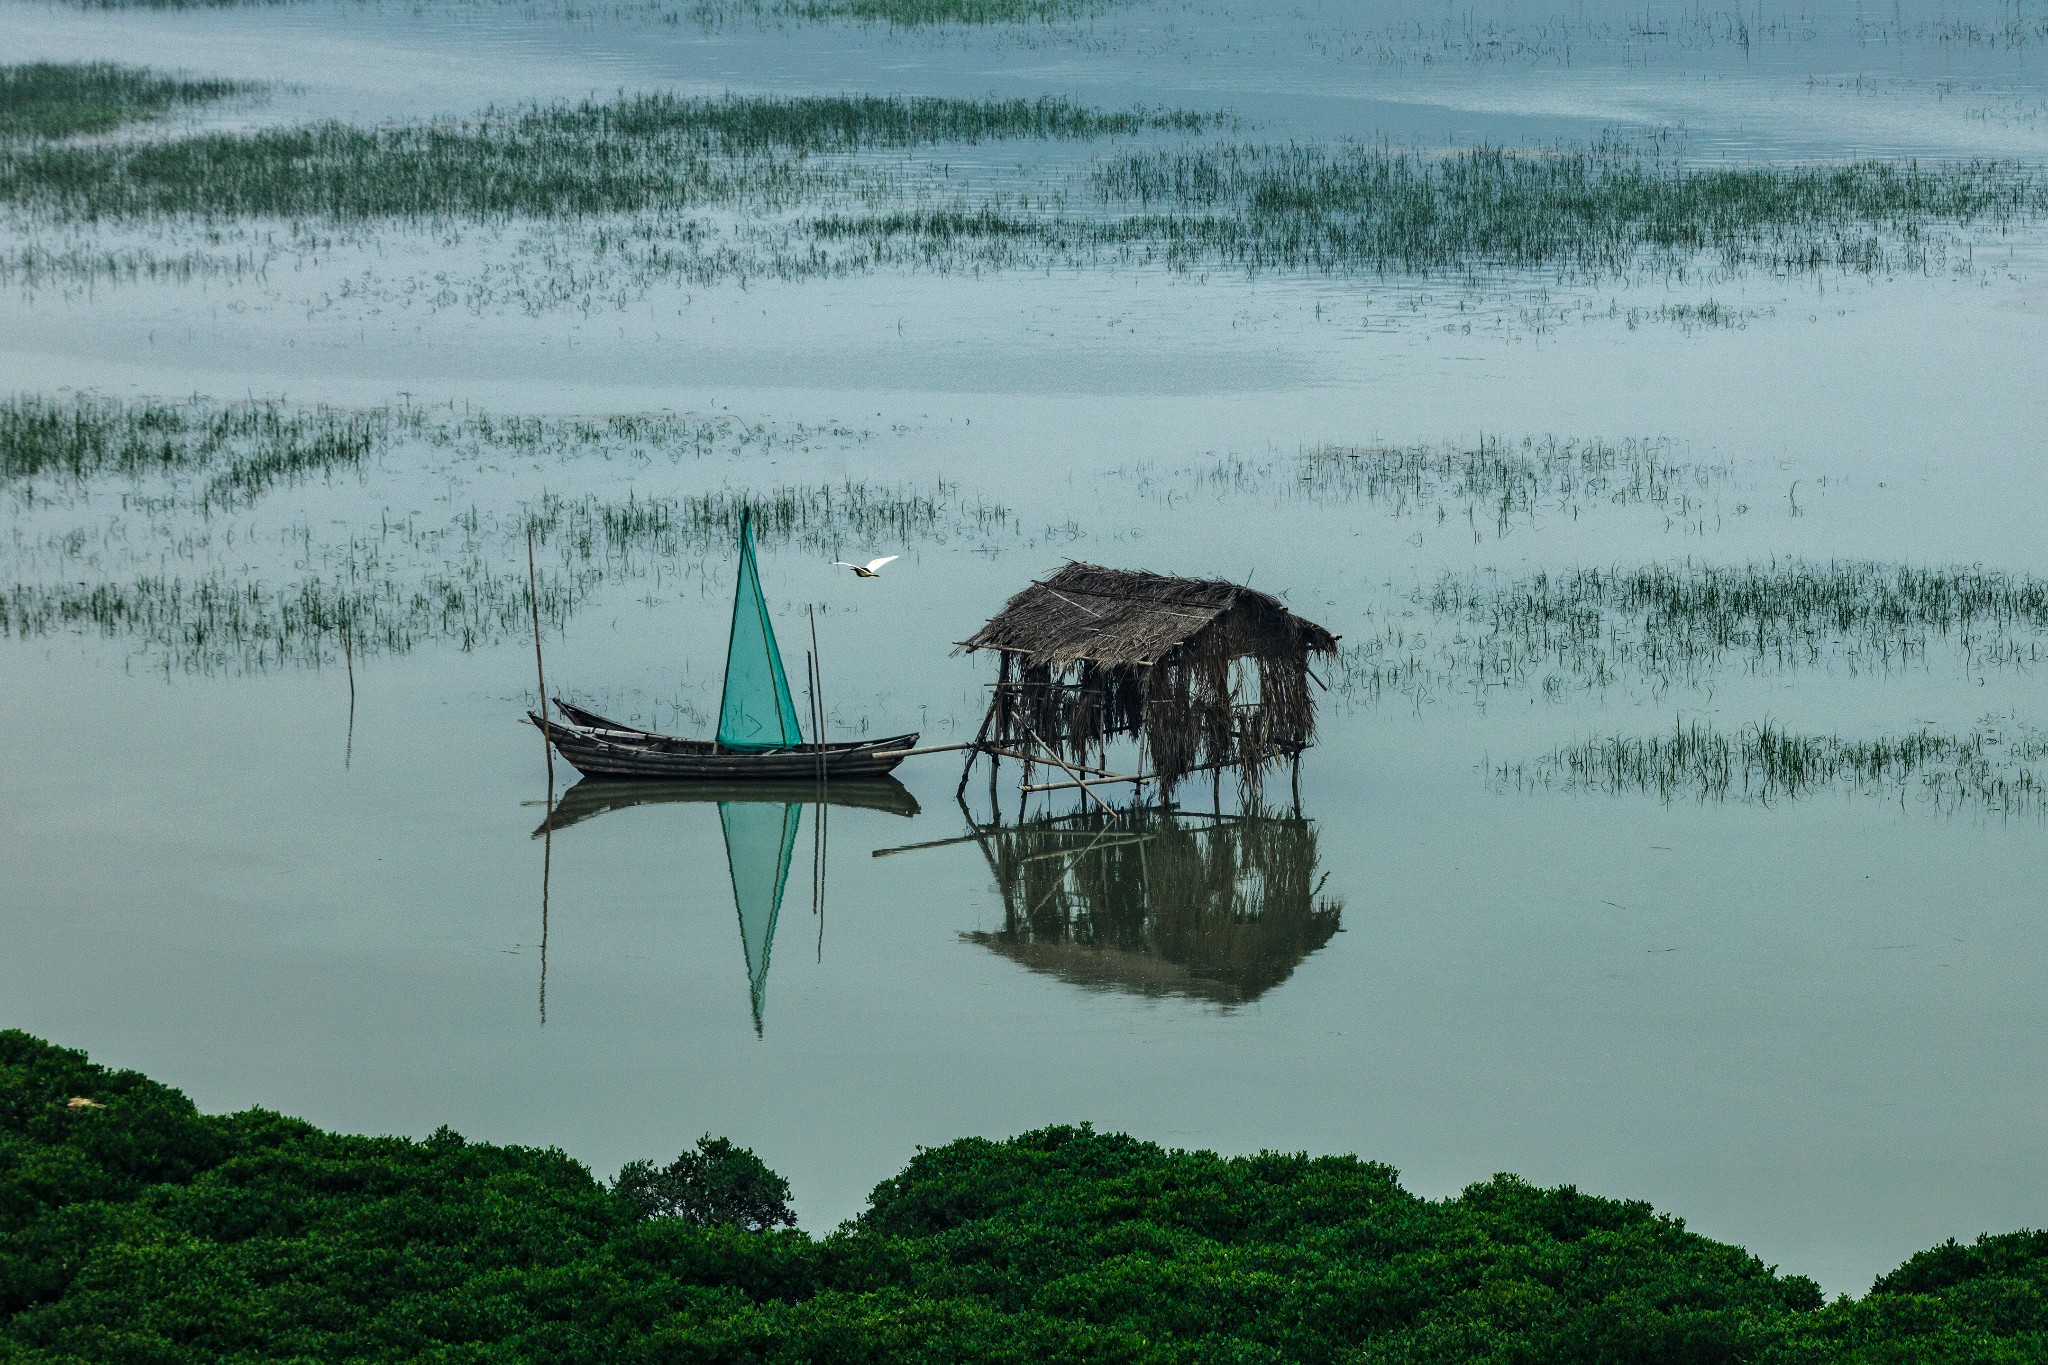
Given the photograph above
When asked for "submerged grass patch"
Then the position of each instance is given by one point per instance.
(641, 152)
(243, 449)
(51, 100)
(1597, 209)
(160, 524)
(1996, 768)
(1498, 480)
(720, 13)
(1683, 624)
(919, 13)
(207, 456)
(1671, 617)
(658, 188)
(405, 584)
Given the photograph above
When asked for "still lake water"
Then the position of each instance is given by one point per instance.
(1810, 1027)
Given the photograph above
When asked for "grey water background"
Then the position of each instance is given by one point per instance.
(1812, 1028)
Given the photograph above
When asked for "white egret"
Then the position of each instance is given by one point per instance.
(871, 569)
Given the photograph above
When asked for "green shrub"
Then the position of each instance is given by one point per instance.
(133, 1227)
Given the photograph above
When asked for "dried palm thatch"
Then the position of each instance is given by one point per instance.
(1207, 674)
(1158, 905)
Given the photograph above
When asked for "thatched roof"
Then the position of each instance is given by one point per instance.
(1124, 618)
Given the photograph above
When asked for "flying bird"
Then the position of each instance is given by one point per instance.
(871, 569)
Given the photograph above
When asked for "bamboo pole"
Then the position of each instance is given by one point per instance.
(348, 655)
(547, 740)
(1079, 781)
(1116, 778)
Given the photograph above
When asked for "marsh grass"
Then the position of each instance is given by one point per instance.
(1994, 768)
(207, 456)
(194, 565)
(242, 449)
(1687, 625)
(1671, 618)
(928, 13)
(1596, 208)
(715, 14)
(651, 188)
(1502, 481)
(51, 100)
(641, 152)
(1593, 210)
(407, 582)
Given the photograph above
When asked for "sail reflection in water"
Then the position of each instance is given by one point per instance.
(760, 822)
(760, 836)
(1160, 903)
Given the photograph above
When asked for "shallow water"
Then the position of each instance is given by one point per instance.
(1809, 1028)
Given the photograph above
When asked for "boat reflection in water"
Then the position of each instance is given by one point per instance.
(1160, 902)
(760, 821)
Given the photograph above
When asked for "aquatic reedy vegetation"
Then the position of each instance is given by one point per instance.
(906, 13)
(1687, 624)
(1996, 768)
(1597, 208)
(209, 456)
(222, 620)
(1671, 618)
(1586, 211)
(192, 566)
(404, 585)
(824, 518)
(718, 14)
(654, 189)
(52, 100)
(634, 153)
(1499, 481)
(244, 449)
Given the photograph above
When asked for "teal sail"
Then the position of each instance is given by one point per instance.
(759, 838)
(756, 711)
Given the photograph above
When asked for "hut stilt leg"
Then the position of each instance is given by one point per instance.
(974, 750)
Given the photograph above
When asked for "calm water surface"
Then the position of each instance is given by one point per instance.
(1811, 1027)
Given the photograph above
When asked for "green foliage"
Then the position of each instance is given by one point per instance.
(57, 100)
(718, 1185)
(136, 1228)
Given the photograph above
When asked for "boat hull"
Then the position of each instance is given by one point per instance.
(597, 747)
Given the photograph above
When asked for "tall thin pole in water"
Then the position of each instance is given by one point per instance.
(547, 743)
(821, 834)
(547, 866)
(348, 656)
(811, 704)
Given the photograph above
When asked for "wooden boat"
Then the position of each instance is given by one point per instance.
(759, 737)
(597, 747)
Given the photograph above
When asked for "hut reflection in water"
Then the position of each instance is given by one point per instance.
(1160, 902)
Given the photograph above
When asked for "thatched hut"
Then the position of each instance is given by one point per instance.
(1204, 674)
